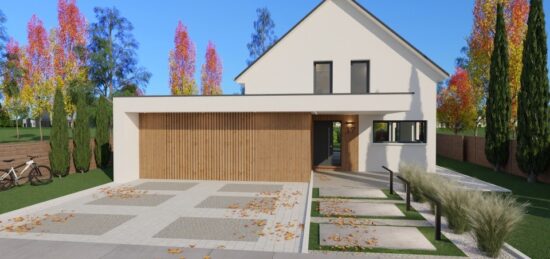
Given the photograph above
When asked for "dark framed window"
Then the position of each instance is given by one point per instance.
(322, 77)
(400, 131)
(360, 76)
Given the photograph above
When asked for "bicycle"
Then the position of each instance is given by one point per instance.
(38, 175)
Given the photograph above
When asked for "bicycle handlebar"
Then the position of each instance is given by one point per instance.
(31, 157)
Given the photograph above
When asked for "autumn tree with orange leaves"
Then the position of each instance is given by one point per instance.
(182, 63)
(69, 50)
(456, 103)
(211, 75)
(480, 49)
(38, 85)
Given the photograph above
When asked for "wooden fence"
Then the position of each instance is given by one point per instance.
(472, 149)
(19, 152)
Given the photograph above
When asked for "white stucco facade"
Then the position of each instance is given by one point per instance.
(402, 87)
(341, 31)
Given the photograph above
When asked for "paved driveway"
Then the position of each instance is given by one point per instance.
(202, 214)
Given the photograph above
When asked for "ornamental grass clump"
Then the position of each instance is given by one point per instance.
(493, 219)
(415, 176)
(457, 202)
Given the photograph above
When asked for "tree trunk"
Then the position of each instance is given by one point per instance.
(532, 178)
(40, 127)
(17, 128)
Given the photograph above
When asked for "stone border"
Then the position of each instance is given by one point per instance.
(53, 202)
(307, 222)
(513, 251)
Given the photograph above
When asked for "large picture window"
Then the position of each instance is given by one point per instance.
(399, 131)
(323, 77)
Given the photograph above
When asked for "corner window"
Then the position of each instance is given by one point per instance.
(360, 77)
(323, 77)
(399, 131)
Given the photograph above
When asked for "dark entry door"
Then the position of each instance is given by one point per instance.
(322, 143)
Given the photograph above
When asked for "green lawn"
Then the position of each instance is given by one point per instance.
(480, 132)
(532, 237)
(28, 134)
(443, 246)
(27, 195)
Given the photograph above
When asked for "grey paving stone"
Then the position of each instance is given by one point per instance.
(234, 254)
(238, 187)
(373, 222)
(56, 250)
(81, 224)
(157, 252)
(165, 186)
(146, 200)
(360, 209)
(225, 202)
(380, 236)
(212, 229)
(351, 192)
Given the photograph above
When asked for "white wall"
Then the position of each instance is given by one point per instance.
(340, 32)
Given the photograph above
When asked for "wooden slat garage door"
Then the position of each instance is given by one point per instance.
(226, 146)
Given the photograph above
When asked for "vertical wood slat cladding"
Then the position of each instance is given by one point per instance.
(226, 146)
(350, 140)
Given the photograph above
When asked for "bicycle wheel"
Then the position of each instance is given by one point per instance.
(7, 182)
(40, 175)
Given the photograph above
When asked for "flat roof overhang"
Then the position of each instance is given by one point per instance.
(373, 103)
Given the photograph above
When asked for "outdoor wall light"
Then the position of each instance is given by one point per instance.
(350, 125)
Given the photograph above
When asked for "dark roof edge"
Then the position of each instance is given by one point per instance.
(402, 39)
(278, 40)
(366, 11)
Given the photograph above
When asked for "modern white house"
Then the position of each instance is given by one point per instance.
(339, 91)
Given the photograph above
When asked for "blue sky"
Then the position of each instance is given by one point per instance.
(438, 28)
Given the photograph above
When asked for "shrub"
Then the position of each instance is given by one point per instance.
(457, 202)
(421, 181)
(81, 138)
(102, 148)
(493, 219)
(59, 139)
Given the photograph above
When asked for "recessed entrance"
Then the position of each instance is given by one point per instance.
(327, 143)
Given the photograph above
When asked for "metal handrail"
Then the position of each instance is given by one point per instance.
(438, 208)
(391, 178)
(407, 191)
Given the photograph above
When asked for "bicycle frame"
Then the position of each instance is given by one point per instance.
(13, 172)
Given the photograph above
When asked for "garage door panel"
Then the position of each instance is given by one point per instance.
(226, 146)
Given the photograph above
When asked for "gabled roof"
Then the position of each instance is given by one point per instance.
(369, 14)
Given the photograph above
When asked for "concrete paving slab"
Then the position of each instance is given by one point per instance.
(157, 252)
(229, 202)
(57, 250)
(165, 186)
(355, 208)
(234, 254)
(373, 222)
(80, 224)
(212, 229)
(351, 192)
(237, 187)
(374, 236)
(145, 200)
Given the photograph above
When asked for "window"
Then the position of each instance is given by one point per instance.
(360, 77)
(323, 77)
(399, 131)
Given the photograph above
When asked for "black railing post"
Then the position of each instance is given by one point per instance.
(437, 215)
(391, 178)
(407, 190)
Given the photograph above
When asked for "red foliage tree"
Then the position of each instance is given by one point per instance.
(182, 63)
(456, 103)
(211, 72)
(70, 39)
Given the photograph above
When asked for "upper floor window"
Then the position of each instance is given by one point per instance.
(323, 77)
(399, 131)
(360, 77)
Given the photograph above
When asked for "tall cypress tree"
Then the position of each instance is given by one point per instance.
(59, 139)
(81, 139)
(498, 99)
(102, 148)
(533, 129)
